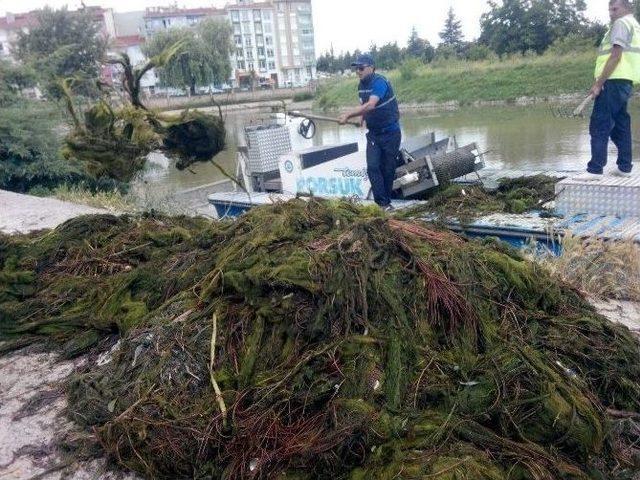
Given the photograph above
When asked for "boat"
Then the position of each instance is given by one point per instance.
(272, 171)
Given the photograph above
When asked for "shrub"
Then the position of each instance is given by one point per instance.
(478, 52)
(327, 103)
(409, 68)
(570, 45)
(29, 150)
(303, 96)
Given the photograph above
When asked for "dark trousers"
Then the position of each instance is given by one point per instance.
(382, 154)
(610, 119)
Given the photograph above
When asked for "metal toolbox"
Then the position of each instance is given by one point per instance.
(265, 145)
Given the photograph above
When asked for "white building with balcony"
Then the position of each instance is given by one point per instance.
(254, 59)
(296, 41)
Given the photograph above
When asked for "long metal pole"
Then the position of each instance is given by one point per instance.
(320, 118)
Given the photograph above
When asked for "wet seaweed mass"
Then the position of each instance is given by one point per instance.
(467, 202)
(323, 340)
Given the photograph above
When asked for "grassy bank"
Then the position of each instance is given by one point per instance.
(467, 82)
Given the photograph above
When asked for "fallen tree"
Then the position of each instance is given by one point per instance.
(113, 142)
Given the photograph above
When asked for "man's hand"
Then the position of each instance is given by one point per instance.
(596, 89)
(342, 119)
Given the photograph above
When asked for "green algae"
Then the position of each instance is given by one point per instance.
(467, 202)
(347, 346)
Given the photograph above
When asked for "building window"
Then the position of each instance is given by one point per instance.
(272, 65)
(235, 15)
(270, 52)
(259, 40)
(268, 41)
(266, 15)
(257, 28)
(256, 15)
(245, 15)
(238, 39)
(249, 54)
(261, 51)
(236, 29)
(241, 65)
(304, 19)
(192, 20)
(246, 27)
(250, 66)
(262, 64)
(307, 31)
(247, 41)
(239, 53)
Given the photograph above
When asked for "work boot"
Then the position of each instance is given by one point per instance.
(587, 177)
(388, 208)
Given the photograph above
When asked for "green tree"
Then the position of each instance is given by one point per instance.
(29, 146)
(204, 58)
(388, 56)
(451, 35)
(415, 46)
(419, 48)
(521, 25)
(14, 78)
(63, 44)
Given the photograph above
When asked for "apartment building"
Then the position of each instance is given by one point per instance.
(157, 19)
(296, 41)
(273, 40)
(254, 55)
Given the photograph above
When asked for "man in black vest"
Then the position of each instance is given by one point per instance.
(379, 109)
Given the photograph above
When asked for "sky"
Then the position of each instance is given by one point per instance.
(345, 24)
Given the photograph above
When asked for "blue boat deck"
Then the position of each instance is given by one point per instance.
(542, 227)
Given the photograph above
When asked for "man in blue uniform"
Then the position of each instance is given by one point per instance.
(379, 109)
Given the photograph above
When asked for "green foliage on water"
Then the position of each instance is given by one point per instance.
(321, 340)
(467, 82)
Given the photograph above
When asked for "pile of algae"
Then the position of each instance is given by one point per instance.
(467, 202)
(321, 340)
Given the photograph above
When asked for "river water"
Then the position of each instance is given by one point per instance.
(514, 137)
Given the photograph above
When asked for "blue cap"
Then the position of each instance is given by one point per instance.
(364, 60)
